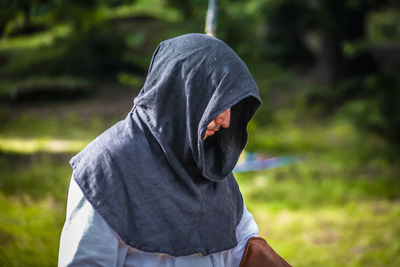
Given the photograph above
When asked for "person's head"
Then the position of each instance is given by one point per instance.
(195, 85)
(222, 120)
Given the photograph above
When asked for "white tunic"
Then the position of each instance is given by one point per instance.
(87, 240)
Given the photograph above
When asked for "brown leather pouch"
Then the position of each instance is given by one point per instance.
(259, 254)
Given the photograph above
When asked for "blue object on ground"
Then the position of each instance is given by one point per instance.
(252, 163)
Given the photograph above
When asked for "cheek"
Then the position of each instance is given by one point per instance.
(211, 125)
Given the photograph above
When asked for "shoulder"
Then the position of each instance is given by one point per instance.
(111, 141)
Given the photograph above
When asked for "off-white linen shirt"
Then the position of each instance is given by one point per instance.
(87, 240)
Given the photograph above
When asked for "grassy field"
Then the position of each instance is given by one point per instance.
(338, 205)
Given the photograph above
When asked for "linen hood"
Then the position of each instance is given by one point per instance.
(153, 177)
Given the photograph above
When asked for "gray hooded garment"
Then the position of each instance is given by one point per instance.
(152, 177)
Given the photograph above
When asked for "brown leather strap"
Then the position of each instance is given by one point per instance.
(259, 254)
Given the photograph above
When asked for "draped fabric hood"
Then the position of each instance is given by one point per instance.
(152, 176)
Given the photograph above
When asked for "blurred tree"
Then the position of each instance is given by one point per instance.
(26, 7)
(342, 24)
(7, 12)
(368, 92)
(285, 24)
(96, 52)
(81, 14)
(193, 10)
(84, 14)
(237, 27)
(256, 29)
(10, 9)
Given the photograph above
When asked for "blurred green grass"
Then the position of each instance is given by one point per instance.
(337, 206)
(29, 230)
(35, 174)
(71, 126)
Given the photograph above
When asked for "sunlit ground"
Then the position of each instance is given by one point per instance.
(23, 145)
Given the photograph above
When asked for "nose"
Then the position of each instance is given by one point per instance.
(224, 119)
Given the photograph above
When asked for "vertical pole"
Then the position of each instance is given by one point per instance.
(211, 17)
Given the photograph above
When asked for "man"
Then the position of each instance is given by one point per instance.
(157, 188)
